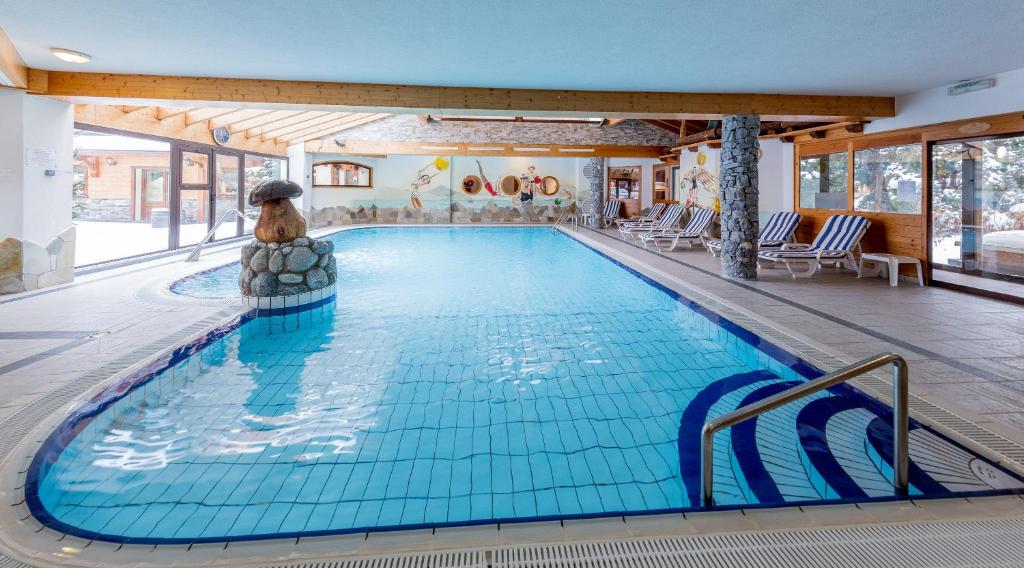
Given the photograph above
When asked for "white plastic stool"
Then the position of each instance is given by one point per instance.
(888, 264)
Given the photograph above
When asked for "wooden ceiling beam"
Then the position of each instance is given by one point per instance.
(284, 123)
(203, 114)
(326, 128)
(146, 122)
(13, 72)
(261, 120)
(348, 125)
(378, 148)
(304, 124)
(127, 109)
(256, 93)
(163, 113)
(237, 116)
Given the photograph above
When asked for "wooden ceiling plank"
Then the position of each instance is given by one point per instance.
(202, 114)
(285, 130)
(237, 116)
(146, 122)
(261, 120)
(336, 123)
(86, 87)
(333, 131)
(163, 113)
(284, 122)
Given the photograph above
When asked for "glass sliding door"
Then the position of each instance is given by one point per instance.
(193, 204)
(978, 207)
(227, 180)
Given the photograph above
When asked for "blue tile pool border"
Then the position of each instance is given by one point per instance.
(71, 426)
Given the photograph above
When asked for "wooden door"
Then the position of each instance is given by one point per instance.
(151, 188)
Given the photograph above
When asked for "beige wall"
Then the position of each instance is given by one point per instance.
(104, 181)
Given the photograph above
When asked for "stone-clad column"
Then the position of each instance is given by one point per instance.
(593, 172)
(738, 195)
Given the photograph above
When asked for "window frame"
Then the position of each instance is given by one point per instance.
(312, 175)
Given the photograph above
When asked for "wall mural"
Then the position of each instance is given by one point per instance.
(699, 178)
(451, 189)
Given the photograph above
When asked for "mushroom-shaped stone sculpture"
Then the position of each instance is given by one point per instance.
(280, 221)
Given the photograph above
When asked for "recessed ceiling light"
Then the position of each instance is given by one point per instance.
(70, 56)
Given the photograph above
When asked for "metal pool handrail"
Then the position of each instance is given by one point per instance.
(194, 255)
(900, 427)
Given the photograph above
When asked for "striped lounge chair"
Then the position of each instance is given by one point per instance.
(665, 222)
(611, 212)
(695, 230)
(838, 244)
(778, 231)
(649, 219)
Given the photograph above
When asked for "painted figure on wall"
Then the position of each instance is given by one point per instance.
(701, 183)
(424, 177)
(487, 184)
(530, 183)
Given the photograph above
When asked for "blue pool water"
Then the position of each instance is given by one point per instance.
(463, 375)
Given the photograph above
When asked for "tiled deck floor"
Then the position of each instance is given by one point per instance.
(966, 352)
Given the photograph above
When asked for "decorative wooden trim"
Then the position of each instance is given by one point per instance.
(13, 72)
(157, 90)
(146, 121)
(383, 148)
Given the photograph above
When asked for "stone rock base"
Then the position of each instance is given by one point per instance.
(286, 269)
(24, 265)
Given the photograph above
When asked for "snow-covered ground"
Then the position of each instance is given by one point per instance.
(99, 241)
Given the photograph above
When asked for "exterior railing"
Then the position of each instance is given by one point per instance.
(900, 427)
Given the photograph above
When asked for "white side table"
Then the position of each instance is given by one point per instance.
(888, 264)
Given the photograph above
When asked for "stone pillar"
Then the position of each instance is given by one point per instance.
(593, 172)
(737, 192)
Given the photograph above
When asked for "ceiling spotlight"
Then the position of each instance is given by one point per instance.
(70, 56)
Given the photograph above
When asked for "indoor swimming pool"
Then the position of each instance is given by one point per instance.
(464, 376)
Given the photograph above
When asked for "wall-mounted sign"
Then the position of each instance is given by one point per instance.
(36, 158)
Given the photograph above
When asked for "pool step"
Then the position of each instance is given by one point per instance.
(842, 441)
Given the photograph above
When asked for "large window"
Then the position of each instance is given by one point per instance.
(259, 169)
(129, 200)
(120, 196)
(823, 181)
(888, 179)
(977, 194)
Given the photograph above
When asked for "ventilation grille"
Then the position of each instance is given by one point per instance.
(973, 543)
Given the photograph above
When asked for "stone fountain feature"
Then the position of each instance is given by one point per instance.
(282, 261)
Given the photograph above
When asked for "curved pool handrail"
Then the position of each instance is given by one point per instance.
(901, 421)
(194, 255)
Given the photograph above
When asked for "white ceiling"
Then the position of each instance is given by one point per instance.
(872, 47)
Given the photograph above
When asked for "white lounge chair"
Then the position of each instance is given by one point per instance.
(838, 244)
(778, 231)
(695, 230)
(611, 213)
(649, 219)
(665, 222)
